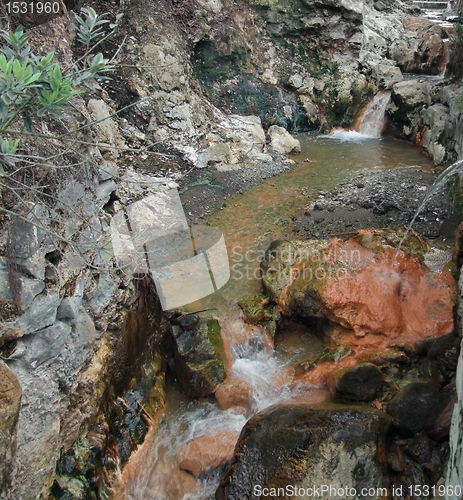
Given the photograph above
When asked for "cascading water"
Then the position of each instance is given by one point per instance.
(370, 123)
(372, 120)
(253, 362)
(439, 183)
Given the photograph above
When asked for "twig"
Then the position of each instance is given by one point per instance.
(118, 50)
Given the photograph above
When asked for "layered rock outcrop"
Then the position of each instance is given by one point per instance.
(208, 452)
(429, 116)
(72, 340)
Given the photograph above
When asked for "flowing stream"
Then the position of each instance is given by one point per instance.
(249, 223)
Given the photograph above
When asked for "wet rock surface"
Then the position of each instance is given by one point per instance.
(306, 445)
(415, 407)
(234, 393)
(362, 284)
(199, 354)
(363, 382)
(208, 452)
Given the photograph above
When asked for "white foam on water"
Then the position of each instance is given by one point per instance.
(341, 135)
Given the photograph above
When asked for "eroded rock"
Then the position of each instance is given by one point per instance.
(408, 95)
(10, 402)
(234, 393)
(208, 452)
(362, 285)
(386, 76)
(306, 445)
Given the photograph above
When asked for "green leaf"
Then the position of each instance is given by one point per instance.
(3, 108)
(28, 123)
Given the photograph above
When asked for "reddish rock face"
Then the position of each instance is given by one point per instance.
(234, 393)
(361, 285)
(208, 452)
(392, 297)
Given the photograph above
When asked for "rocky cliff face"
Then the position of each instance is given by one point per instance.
(66, 337)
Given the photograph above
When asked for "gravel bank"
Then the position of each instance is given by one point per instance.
(372, 200)
(204, 190)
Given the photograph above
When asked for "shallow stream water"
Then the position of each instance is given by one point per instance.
(249, 223)
(263, 214)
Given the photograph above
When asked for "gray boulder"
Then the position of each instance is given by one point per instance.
(306, 445)
(46, 344)
(386, 76)
(411, 94)
(282, 141)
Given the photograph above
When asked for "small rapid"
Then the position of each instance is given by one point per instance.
(341, 135)
(271, 381)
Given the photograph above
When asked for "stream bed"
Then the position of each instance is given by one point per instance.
(249, 222)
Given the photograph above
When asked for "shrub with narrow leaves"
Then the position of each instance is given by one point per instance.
(32, 87)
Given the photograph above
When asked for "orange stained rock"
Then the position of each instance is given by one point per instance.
(235, 330)
(234, 393)
(208, 452)
(152, 472)
(397, 297)
(380, 300)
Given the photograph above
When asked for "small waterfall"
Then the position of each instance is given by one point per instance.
(372, 120)
(153, 473)
(370, 123)
(445, 57)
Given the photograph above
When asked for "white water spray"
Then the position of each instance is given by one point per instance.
(441, 180)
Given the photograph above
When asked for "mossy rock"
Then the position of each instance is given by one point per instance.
(301, 445)
(214, 334)
(253, 308)
(377, 239)
(200, 358)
